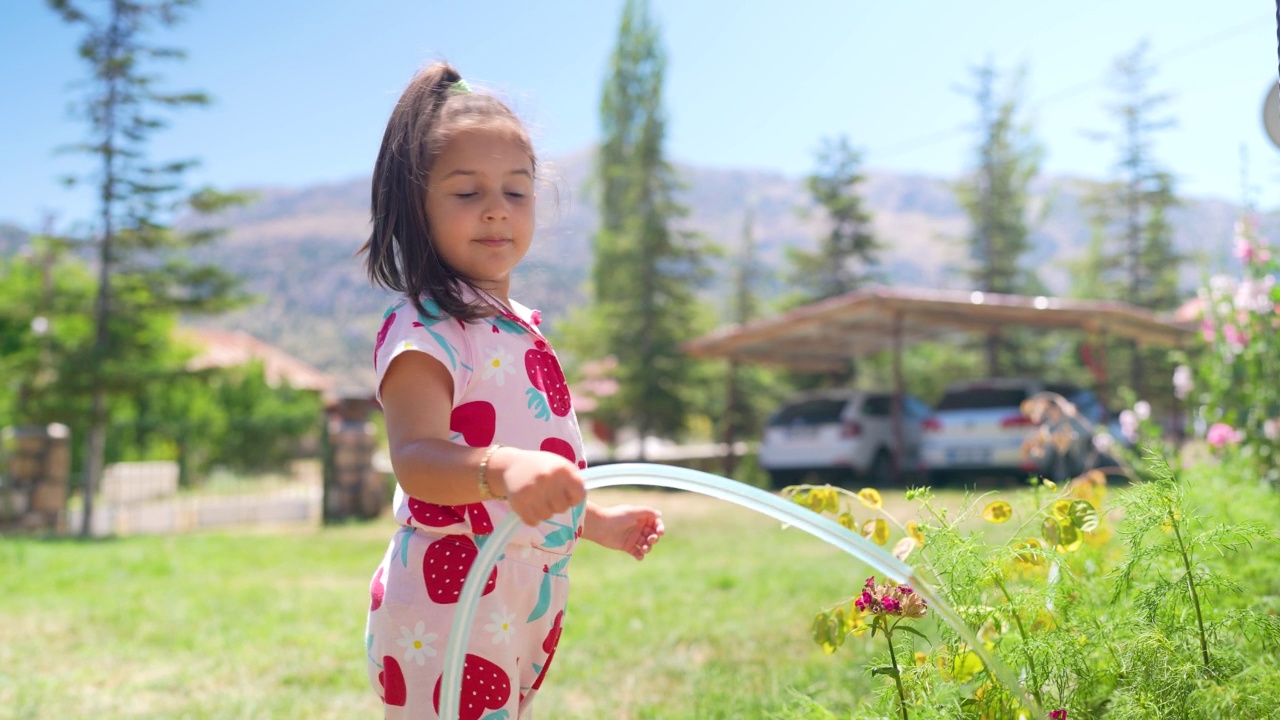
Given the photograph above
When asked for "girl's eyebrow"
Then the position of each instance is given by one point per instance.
(464, 171)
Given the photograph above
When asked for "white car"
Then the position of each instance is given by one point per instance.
(840, 435)
(978, 426)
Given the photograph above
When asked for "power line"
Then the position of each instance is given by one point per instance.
(1198, 45)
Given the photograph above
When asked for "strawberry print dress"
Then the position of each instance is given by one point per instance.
(508, 388)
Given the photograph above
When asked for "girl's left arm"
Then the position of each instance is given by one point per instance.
(632, 529)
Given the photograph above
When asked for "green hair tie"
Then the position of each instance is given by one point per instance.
(459, 88)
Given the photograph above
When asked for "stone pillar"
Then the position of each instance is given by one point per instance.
(351, 487)
(34, 486)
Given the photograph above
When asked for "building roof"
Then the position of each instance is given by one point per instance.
(827, 334)
(231, 348)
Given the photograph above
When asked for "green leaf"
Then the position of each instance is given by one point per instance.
(886, 670)
(912, 631)
(1083, 515)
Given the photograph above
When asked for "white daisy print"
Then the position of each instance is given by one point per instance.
(501, 627)
(498, 366)
(417, 643)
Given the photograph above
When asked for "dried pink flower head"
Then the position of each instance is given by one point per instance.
(888, 599)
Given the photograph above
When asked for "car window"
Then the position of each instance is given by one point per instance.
(877, 406)
(916, 408)
(809, 412)
(981, 398)
(1063, 389)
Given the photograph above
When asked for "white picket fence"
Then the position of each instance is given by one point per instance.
(143, 498)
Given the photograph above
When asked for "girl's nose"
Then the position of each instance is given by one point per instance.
(496, 210)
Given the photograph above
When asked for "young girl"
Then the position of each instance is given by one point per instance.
(478, 416)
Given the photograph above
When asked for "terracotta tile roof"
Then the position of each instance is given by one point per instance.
(229, 348)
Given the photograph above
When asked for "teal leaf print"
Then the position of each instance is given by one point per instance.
(394, 308)
(402, 537)
(508, 325)
(498, 715)
(558, 568)
(544, 598)
(538, 404)
(448, 349)
(558, 538)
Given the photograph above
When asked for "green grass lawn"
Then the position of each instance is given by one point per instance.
(270, 624)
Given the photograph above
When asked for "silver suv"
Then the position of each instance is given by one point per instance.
(840, 435)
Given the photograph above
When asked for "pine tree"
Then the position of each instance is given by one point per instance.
(645, 272)
(1134, 207)
(997, 197)
(846, 254)
(740, 414)
(144, 274)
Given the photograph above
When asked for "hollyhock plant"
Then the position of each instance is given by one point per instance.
(1235, 390)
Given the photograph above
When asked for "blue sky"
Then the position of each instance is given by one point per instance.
(303, 89)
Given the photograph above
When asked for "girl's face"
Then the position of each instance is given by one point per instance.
(480, 205)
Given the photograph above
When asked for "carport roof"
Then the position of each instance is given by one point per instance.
(826, 334)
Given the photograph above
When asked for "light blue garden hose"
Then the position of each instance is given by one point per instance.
(735, 492)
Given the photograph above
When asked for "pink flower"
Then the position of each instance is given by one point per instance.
(1207, 331)
(1234, 336)
(887, 599)
(1183, 383)
(1244, 250)
(1059, 714)
(1222, 434)
(537, 317)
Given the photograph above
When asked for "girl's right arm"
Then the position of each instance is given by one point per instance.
(417, 401)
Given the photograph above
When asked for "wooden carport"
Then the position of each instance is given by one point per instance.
(825, 335)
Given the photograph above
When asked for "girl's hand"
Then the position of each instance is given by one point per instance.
(537, 484)
(630, 528)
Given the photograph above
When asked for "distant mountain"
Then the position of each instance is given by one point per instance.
(295, 247)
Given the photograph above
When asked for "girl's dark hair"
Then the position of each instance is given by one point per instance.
(401, 254)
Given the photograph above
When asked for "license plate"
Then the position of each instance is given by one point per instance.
(802, 432)
(971, 456)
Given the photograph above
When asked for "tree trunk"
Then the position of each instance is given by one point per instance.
(731, 419)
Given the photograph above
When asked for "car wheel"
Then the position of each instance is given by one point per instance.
(880, 473)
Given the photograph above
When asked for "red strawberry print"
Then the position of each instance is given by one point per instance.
(432, 515)
(481, 524)
(477, 421)
(546, 375)
(377, 590)
(549, 647)
(484, 687)
(445, 565)
(559, 447)
(392, 681)
(382, 337)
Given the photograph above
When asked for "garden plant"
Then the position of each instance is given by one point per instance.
(1142, 590)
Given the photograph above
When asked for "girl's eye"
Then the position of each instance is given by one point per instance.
(465, 195)
(515, 195)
